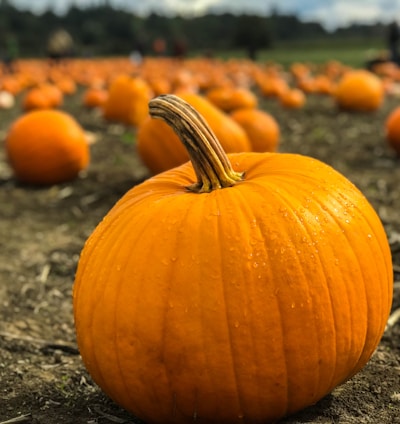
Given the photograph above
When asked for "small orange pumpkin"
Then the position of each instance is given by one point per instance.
(293, 98)
(359, 90)
(35, 98)
(127, 100)
(54, 94)
(272, 86)
(261, 128)
(232, 289)
(392, 129)
(230, 98)
(67, 85)
(46, 147)
(94, 97)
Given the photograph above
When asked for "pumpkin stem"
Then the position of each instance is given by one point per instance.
(210, 162)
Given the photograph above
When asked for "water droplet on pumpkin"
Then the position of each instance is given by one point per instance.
(293, 305)
(369, 236)
(236, 324)
(255, 265)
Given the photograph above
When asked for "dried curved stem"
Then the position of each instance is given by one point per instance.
(211, 164)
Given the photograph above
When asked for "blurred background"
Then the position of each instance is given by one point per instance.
(350, 31)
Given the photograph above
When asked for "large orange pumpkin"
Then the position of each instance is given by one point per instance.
(359, 90)
(47, 146)
(236, 289)
(160, 148)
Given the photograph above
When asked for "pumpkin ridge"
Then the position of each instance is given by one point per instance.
(124, 223)
(244, 203)
(384, 253)
(357, 206)
(344, 199)
(100, 378)
(222, 251)
(346, 232)
(341, 200)
(103, 276)
(327, 283)
(170, 297)
(382, 243)
(174, 202)
(300, 269)
(353, 313)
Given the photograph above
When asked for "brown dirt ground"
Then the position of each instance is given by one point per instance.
(42, 231)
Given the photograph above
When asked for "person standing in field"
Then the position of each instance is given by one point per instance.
(159, 46)
(59, 46)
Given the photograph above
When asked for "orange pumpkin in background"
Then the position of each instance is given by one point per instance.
(392, 130)
(230, 98)
(54, 94)
(67, 85)
(261, 128)
(234, 289)
(359, 90)
(160, 149)
(272, 86)
(127, 100)
(46, 147)
(94, 97)
(293, 98)
(35, 98)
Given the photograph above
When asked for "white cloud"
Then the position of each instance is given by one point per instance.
(345, 12)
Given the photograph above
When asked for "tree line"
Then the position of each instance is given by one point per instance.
(104, 31)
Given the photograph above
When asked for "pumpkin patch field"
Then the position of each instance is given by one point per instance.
(259, 284)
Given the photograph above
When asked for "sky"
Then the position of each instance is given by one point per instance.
(330, 13)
